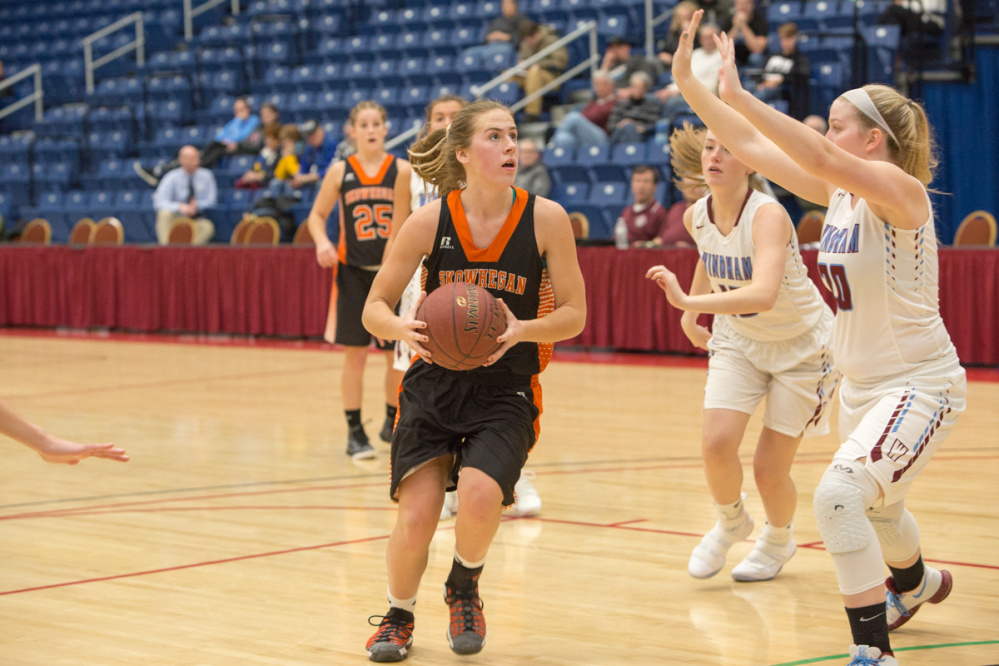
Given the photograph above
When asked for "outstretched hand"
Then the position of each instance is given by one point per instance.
(510, 336)
(685, 49)
(56, 450)
(729, 85)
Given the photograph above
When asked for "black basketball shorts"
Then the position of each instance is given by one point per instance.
(353, 285)
(441, 413)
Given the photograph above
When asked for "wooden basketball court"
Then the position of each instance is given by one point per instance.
(240, 533)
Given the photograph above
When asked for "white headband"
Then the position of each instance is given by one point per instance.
(860, 99)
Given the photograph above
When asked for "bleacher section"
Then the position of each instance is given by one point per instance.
(316, 59)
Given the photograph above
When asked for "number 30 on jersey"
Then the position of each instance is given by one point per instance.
(834, 278)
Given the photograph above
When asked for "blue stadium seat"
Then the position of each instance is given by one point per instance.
(75, 204)
(609, 194)
(415, 72)
(58, 177)
(412, 44)
(359, 71)
(558, 156)
(387, 73)
(101, 205)
(50, 207)
(630, 154)
(882, 43)
(301, 107)
(601, 225)
(329, 101)
(591, 155)
(138, 219)
(569, 194)
(115, 174)
(441, 42)
(331, 77)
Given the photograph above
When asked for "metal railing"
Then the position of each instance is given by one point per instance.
(138, 45)
(190, 13)
(589, 28)
(36, 97)
(650, 25)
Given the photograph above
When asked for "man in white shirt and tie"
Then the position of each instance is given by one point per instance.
(184, 192)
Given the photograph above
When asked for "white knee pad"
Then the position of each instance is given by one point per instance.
(839, 504)
(897, 531)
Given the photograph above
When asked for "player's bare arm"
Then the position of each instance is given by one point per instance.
(327, 197)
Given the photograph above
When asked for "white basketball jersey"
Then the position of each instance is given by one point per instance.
(420, 192)
(885, 283)
(728, 261)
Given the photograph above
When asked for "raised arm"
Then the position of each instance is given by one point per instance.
(895, 196)
(736, 133)
(328, 194)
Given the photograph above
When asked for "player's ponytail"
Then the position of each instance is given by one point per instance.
(912, 148)
(433, 156)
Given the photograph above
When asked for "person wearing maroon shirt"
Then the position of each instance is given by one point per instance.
(674, 232)
(646, 219)
(588, 127)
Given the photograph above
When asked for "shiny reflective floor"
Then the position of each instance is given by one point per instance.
(240, 533)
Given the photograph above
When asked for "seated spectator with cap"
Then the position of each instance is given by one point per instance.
(535, 38)
(620, 64)
(317, 154)
(646, 219)
(532, 175)
(634, 117)
(185, 192)
(226, 142)
(785, 76)
(503, 32)
(588, 126)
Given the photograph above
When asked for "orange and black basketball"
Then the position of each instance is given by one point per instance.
(463, 323)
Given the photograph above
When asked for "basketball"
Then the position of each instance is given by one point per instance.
(463, 323)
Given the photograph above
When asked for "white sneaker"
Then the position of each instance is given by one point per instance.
(709, 556)
(527, 502)
(864, 655)
(765, 561)
(900, 608)
(450, 508)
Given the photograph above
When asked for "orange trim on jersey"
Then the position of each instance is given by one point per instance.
(363, 178)
(536, 390)
(495, 249)
(341, 244)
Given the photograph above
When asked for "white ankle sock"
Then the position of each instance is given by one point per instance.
(465, 563)
(730, 511)
(404, 604)
(778, 536)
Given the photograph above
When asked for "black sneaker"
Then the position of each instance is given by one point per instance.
(386, 434)
(466, 633)
(358, 445)
(394, 636)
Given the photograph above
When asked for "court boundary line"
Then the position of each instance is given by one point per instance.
(912, 648)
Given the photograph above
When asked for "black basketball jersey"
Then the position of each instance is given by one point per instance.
(511, 268)
(365, 212)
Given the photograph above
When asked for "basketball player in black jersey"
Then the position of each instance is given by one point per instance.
(471, 430)
(365, 186)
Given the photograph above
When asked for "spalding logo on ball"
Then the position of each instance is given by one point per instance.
(463, 323)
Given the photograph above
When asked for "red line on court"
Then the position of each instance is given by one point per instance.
(181, 567)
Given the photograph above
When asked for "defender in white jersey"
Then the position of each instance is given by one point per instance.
(903, 386)
(769, 341)
(439, 114)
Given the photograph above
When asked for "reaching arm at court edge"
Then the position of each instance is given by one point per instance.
(771, 233)
(53, 449)
(329, 192)
(897, 197)
(697, 334)
(738, 134)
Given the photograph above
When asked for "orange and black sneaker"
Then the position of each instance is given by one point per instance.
(467, 631)
(394, 636)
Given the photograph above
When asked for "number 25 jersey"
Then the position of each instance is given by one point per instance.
(365, 212)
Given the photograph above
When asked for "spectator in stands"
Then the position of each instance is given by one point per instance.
(263, 169)
(682, 14)
(532, 175)
(317, 154)
(785, 76)
(620, 64)
(588, 126)
(645, 218)
(503, 32)
(270, 116)
(184, 192)
(925, 17)
(705, 62)
(348, 146)
(226, 142)
(716, 11)
(287, 167)
(634, 117)
(675, 232)
(534, 38)
(747, 27)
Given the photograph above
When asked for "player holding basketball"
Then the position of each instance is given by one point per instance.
(903, 387)
(440, 112)
(770, 339)
(473, 429)
(51, 448)
(365, 186)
